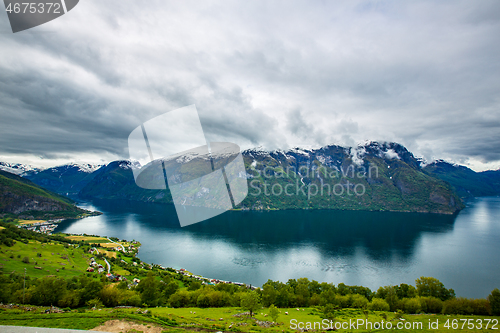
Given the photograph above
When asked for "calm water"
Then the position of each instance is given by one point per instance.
(358, 248)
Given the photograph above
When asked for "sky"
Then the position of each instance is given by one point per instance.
(276, 74)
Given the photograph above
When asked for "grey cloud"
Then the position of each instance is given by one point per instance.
(426, 74)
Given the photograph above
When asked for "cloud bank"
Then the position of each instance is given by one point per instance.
(425, 74)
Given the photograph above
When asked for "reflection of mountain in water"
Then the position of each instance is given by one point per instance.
(380, 234)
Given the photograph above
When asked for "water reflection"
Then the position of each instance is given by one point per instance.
(379, 233)
(364, 248)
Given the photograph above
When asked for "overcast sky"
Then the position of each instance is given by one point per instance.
(276, 74)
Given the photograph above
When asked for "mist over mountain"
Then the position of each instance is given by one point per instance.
(373, 176)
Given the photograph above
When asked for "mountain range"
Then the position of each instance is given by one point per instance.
(372, 176)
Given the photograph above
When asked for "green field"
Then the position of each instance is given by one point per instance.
(50, 257)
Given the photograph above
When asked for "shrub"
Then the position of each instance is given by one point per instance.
(480, 307)
(179, 299)
(458, 306)
(343, 301)
(359, 301)
(26, 260)
(430, 304)
(378, 304)
(412, 305)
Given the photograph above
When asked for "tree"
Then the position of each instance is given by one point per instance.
(429, 286)
(149, 288)
(412, 305)
(391, 298)
(49, 291)
(268, 294)
(359, 301)
(329, 312)
(179, 299)
(195, 285)
(170, 289)
(431, 304)
(378, 304)
(91, 290)
(494, 299)
(250, 302)
(405, 291)
(274, 313)
(110, 296)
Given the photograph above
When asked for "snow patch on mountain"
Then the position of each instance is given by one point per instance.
(258, 151)
(81, 167)
(17, 168)
(301, 151)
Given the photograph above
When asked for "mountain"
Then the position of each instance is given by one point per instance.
(66, 179)
(465, 181)
(18, 169)
(374, 176)
(116, 181)
(23, 198)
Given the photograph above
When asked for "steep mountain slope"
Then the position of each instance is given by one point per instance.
(375, 176)
(370, 177)
(66, 179)
(21, 197)
(116, 181)
(466, 182)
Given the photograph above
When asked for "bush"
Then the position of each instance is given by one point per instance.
(179, 299)
(343, 301)
(459, 305)
(26, 260)
(412, 305)
(378, 304)
(359, 301)
(431, 304)
(480, 307)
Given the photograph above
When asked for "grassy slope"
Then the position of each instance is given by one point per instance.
(74, 263)
(50, 261)
(23, 186)
(13, 187)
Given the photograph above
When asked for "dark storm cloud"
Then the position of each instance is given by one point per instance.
(425, 74)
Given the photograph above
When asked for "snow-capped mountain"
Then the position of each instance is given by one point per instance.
(390, 177)
(18, 169)
(66, 179)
